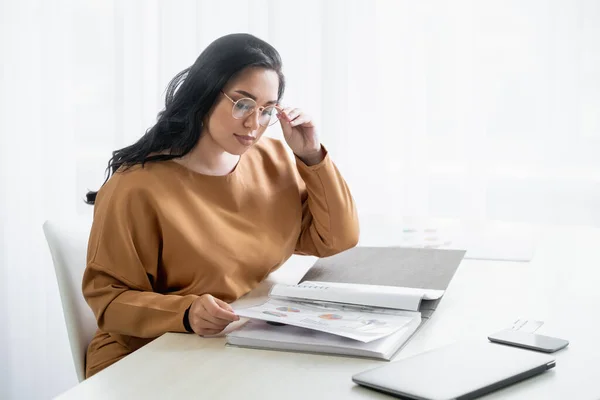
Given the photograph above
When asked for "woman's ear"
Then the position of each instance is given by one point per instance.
(204, 121)
(208, 114)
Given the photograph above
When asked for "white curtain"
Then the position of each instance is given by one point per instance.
(465, 109)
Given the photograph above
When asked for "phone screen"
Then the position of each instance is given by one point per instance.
(529, 340)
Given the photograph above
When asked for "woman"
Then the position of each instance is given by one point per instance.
(199, 211)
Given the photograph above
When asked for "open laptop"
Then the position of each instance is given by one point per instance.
(458, 371)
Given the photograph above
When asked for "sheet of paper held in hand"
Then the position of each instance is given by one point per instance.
(365, 326)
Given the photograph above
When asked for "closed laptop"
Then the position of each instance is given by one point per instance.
(464, 370)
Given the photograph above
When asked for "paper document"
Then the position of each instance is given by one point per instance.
(399, 298)
(427, 237)
(526, 325)
(259, 334)
(489, 241)
(425, 294)
(338, 320)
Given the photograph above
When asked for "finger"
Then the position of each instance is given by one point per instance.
(286, 112)
(219, 322)
(207, 323)
(224, 305)
(285, 127)
(209, 332)
(293, 114)
(302, 120)
(216, 311)
(285, 124)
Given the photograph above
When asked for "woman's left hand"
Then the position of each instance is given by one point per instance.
(300, 134)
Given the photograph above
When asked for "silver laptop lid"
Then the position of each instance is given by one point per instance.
(460, 370)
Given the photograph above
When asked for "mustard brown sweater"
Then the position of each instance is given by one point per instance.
(162, 235)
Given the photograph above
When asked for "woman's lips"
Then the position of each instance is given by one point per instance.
(245, 140)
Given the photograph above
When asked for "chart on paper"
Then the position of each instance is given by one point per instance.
(358, 325)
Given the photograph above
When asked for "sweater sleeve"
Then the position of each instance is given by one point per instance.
(329, 217)
(122, 266)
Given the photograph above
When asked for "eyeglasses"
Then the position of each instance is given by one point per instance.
(245, 107)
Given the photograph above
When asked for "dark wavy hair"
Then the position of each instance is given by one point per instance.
(189, 97)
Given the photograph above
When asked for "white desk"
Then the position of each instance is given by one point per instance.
(560, 286)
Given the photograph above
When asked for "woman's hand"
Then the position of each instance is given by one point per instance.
(209, 315)
(300, 134)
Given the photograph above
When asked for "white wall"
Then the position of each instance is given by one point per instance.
(467, 109)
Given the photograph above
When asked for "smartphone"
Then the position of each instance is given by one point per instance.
(526, 340)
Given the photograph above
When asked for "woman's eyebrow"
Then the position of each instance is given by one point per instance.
(254, 97)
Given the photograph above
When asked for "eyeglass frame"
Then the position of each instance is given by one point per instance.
(257, 107)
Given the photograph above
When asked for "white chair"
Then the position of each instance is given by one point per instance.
(68, 246)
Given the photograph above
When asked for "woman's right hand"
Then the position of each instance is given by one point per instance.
(209, 315)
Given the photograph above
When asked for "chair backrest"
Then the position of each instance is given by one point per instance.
(68, 246)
